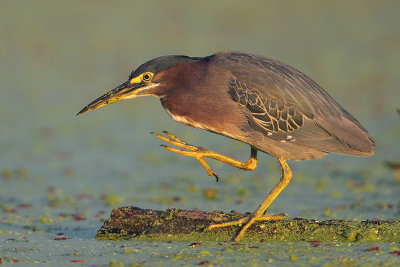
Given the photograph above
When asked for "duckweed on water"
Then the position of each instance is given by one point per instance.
(112, 200)
(44, 146)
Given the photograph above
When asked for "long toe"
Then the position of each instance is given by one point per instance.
(172, 136)
(227, 224)
(173, 140)
(247, 221)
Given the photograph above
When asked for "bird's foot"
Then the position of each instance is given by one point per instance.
(248, 221)
(191, 151)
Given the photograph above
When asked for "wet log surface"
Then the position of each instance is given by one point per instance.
(188, 225)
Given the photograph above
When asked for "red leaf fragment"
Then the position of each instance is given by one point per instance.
(14, 260)
(396, 252)
(78, 217)
(99, 214)
(177, 199)
(6, 210)
(51, 189)
(60, 238)
(203, 262)
(377, 248)
(195, 244)
(236, 244)
(25, 206)
(254, 247)
(77, 261)
(315, 243)
(83, 196)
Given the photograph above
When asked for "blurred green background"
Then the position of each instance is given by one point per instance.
(57, 56)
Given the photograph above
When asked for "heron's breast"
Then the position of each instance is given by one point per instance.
(189, 121)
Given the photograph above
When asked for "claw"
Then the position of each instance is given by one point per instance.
(167, 133)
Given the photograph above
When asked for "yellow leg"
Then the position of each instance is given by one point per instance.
(200, 153)
(258, 215)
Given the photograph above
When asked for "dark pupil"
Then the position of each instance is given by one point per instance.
(146, 76)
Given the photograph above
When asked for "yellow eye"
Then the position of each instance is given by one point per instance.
(147, 76)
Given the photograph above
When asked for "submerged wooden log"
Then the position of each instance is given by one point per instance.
(188, 225)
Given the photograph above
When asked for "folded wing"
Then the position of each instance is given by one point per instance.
(286, 105)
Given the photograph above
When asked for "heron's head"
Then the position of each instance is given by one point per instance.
(154, 77)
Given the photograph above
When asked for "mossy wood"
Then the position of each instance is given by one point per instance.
(188, 225)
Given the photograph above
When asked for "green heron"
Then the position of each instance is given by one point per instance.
(259, 101)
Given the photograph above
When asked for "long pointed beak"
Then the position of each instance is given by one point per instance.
(118, 93)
